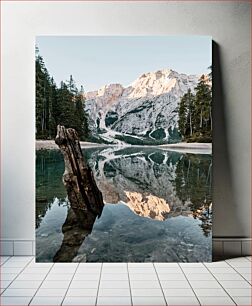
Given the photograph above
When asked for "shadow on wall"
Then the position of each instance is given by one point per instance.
(225, 215)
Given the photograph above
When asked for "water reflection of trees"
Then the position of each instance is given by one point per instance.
(193, 184)
(49, 169)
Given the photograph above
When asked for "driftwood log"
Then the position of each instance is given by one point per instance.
(83, 194)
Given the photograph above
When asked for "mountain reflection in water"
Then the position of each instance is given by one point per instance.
(165, 196)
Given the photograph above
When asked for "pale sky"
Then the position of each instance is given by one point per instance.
(98, 60)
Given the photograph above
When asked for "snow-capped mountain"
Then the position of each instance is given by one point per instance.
(143, 111)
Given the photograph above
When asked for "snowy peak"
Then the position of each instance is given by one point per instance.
(146, 109)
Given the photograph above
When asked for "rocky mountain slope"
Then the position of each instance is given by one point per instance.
(142, 113)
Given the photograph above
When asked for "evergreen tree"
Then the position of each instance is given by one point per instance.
(186, 114)
(64, 105)
(203, 104)
(195, 112)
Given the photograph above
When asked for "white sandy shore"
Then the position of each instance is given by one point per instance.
(51, 145)
(193, 147)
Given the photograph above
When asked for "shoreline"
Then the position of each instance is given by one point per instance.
(51, 145)
(195, 147)
(189, 147)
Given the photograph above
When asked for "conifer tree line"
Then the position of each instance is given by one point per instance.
(62, 105)
(195, 112)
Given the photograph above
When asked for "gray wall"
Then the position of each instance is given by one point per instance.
(229, 25)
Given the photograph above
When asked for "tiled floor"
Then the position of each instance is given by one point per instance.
(24, 282)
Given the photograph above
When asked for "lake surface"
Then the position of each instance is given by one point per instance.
(157, 207)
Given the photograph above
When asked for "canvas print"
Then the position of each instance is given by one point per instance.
(123, 148)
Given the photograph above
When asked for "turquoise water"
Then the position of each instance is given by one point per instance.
(158, 207)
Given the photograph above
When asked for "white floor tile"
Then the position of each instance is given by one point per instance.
(15, 300)
(88, 271)
(217, 264)
(210, 292)
(59, 277)
(114, 292)
(241, 264)
(191, 270)
(5, 283)
(195, 265)
(115, 277)
(66, 265)
(178, 292)
(6, 276)
(29, 276)
(82, 292)
(63, 269)
(84, 284)
(249, 258)
(190, 300)
(243, 270)
(146, 292)
(111, 269)
(201, 276)
(247, 277)
(235, 284)
(91, 277)
(142, 271)
(237, 259)
(8, 270)
(113, 284)
(221, 270)
(25, 284)
(3, 259)
(96, 264)
(144, 284)
(14, 264)
(143, 300)
(169, 270)
(239, 291)
(47, 300)
(243, 300)
(55, 284)
(166, 284)
(228, 276)
(36, 270)
(51, 292)
(220, 300)
(104, 300)
(19, 292)
(171, 276)
(204, 284)
(39, 265)
(166, 264)
(2, 290)
(144, 277)
(140, 264)
(21, 258)
(80, 300)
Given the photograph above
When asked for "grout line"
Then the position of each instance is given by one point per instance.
(220, 284)
(160, 284)
(16, 275)
(41, 283)
(98, 285)
(239, 273)
(189, 284)
(129, 284)
(70, 283)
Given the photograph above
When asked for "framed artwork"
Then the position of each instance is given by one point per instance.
(129, 178)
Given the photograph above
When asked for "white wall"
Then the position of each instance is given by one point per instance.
(229, 25)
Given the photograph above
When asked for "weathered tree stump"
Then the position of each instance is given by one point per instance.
(74, 236)
(83, 194)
